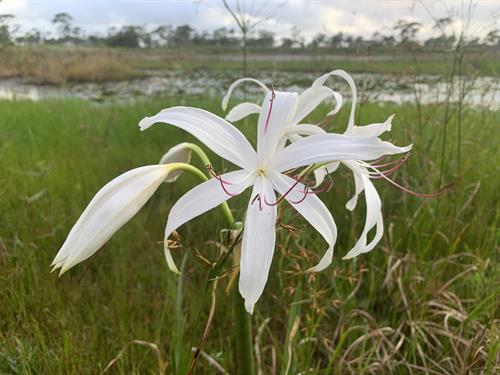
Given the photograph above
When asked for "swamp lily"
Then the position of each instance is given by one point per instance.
(362, 170)
(263, 170)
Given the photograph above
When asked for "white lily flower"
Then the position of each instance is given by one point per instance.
(263, 170)
(312, 97)
(115, 204)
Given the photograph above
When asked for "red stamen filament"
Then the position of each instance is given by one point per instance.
(414, 193)
(257, 198)
(273, 95)
(280, 199)
(398, 161)
(221, 180)
(327, 187)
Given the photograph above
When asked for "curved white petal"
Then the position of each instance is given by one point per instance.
(216, 133)
(275, 114)
(321, 172)
(311, 98)
(372, 129)
(373, 212)
(341, 73)
(257, 248)
(359, 186)
(225, 100)
(324, 148)
(303, 129)
(115, 204)
(180, 153)
(242, 110)
(313, 210)
(338, 103)
(202, 198)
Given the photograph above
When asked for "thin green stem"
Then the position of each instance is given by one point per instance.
(199, 152)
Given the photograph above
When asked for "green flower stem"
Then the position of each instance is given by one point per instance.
(199, 152)
(243, 334)
(244, 347)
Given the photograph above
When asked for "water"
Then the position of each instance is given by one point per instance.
(483, 91)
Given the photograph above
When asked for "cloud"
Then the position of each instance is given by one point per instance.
(362, 17)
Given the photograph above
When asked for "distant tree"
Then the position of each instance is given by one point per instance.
(127, 36)
(318, 40)
(297, 38)
(161, 35)
(63, 23)
(224, 37)
(32, 37)
(286, 43)
(408, 31)
(493, 38)
(7, 30)
(181, 36)
(441, 43)
(264, 39)
(336, 41)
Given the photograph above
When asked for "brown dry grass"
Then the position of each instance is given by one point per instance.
(59, 66)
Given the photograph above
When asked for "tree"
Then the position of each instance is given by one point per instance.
(493, 38)
(7, 30)
(63, 23)
(286, 43)
(161, 35)
(127, 36)
(264, 39)
(337, 40)
(318, 40)
(181, 36)
(297, 38)
(408, 31)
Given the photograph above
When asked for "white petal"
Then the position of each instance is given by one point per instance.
(359, 186)
(338, 104)
(321, 172)
(259, 237)
(311, 98)
(341, 73)
(242, 110)
(329, 147)
(216, 133)
(115, 204)
(373, 213)
(304, 129)
(225, 100)
(203, 198)
(180, 153)
(276, 114)
(313, 210)
(372, 129)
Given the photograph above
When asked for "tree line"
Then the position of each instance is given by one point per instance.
(402, 34)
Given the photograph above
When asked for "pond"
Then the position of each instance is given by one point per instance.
(478, 91)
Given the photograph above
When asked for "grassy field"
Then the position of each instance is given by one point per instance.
(57, 65)
(424, 301)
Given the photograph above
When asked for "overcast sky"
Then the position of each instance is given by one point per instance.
(363, 17)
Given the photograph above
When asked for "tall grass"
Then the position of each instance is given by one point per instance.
(57, 66)
(425, 301)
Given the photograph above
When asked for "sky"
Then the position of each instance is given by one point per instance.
(356, 17)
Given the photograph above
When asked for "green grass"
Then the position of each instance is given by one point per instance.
(426, 297)
(475, 63)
